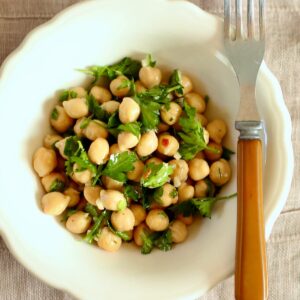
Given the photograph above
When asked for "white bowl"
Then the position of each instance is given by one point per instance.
(178, 34)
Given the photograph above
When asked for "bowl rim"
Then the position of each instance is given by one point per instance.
(277, 97)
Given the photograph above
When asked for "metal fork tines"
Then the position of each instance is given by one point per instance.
(245, 52)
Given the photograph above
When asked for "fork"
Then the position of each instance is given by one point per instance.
(245, 52)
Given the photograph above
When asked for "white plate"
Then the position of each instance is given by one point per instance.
(180, 35)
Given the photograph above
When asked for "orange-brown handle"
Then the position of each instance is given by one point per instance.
(251, 266)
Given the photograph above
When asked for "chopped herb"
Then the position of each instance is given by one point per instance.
(96, 179)
(122, 234)
(147, 243)
(148, 61)
(127, 83)
(127, 66)
(156, 175)
(161, 240)
(68, 213)
(175, 80)
(192, 134)
(173, 193)
(164, 242)
(206, 99)
(85, 122)
(119, 164)
(95, 230)
(131, 193)
(114, 120)
(122, 204)
(158, 192)
(133, 127)
(96, 109)
(66, 95)
(211, 188)
(227, 153)
(92, 210)
(54, 114)
(202, 206)
(147, 197)
(57, 186)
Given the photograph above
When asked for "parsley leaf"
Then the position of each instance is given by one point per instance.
(202, 206)
(96, 109)
(127, 66)
(164, 242)
(131, 193)
(227, 153)
(147, 197)
(148, 61)
(92, 210)
(175, 80)
(57, 186)
(95, 230)
(147, 243)
(66, 95)
(54, 114)
(119, 164)
(156, 175)
(76, 153)
(133, 127)
(85, 122)
(122, 234)
(192, 134)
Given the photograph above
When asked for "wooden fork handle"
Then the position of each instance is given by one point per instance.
(250, 270)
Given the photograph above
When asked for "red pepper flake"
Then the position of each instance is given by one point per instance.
(165, 142)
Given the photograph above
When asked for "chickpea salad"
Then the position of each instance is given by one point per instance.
(133, 157)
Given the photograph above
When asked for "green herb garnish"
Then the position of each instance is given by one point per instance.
(131, 193)
(96, 110)
(122, 234)
(227, 153)
(148, 61)
(161, 240)
(54, 114)
(119, 164)
(133, 127)
(57, 186)
(156, 175)
(66, 95)
(176, 80)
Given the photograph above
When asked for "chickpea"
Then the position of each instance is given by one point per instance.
(179, 231)
(112, 184)
(53, 180)
(220, 172)
(180, 173)
(147, 144)
(51, 139)
(129, 110)
(186, 220)
(123, 220)
(202, 119)
(44, 161)
(206, 136)
(157, 220)
(196, 101)
(60, 164)
(92, 194)
(217, 130)
(60, 146)
(127, 140)
(139, 87)
(167, 145)
(138, 233)
(198, 169)
(99, 151)
(114, 149)
(185, 192)
(150, 76)
(80, 91)
(111, 106)
(137, 172)
(162, 127)
(171, 114)
(78, 127)
(116, 89)
(213, 156)
(187, 85)
(139, 213)
(201, 188)
(54, 203)
(74, 196)
(166, 195)
(60, 120)
(81, 176)
(79, 222)
(76, 108)
(95, 129)
(112, 200)
(154, 160)
(100, 94)
(108, 240)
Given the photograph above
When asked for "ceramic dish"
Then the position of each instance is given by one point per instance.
(178, 34)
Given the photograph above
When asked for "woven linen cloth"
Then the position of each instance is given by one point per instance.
(18, 17)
